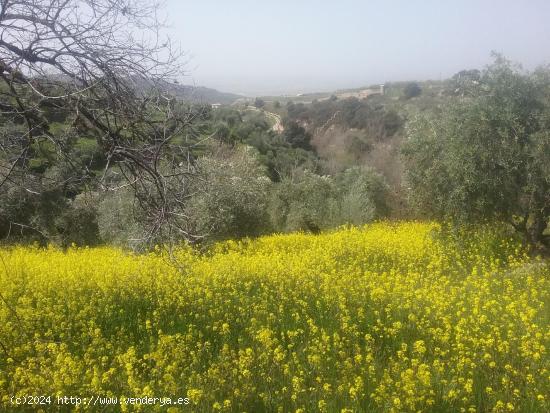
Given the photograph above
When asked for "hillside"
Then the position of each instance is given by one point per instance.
(201, 94)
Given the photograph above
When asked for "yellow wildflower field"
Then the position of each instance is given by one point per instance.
(384, 318)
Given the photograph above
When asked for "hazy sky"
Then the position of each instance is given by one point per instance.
(284, 46)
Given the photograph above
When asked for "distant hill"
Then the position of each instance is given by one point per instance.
(201, 94)
(194, 94)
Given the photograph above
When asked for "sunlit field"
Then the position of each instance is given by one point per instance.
(386, 318)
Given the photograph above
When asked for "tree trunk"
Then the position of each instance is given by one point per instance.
(535, 231)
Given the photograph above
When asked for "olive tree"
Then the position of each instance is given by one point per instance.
(230, 198)
(486, 155)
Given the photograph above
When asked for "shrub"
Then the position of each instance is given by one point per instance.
(310, 202)
(412, 90)
(302, 202)
(119, 220)
(230, 198)
(363, 195)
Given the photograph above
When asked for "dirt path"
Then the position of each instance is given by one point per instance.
(278, 122)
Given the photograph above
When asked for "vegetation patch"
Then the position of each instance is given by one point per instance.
(388, 317)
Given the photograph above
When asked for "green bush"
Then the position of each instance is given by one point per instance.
(301, 202)
(310, 202)
(412, 90)
(119, 220)
(229, 197)
(78, 223)
(363, 195)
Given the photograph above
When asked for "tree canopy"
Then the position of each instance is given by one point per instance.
(486, 155)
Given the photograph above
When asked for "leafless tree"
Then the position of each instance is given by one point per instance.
(104, 65)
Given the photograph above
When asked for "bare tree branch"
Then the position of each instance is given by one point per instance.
(104, 65)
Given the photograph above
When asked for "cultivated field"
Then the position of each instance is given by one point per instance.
(392, 318)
